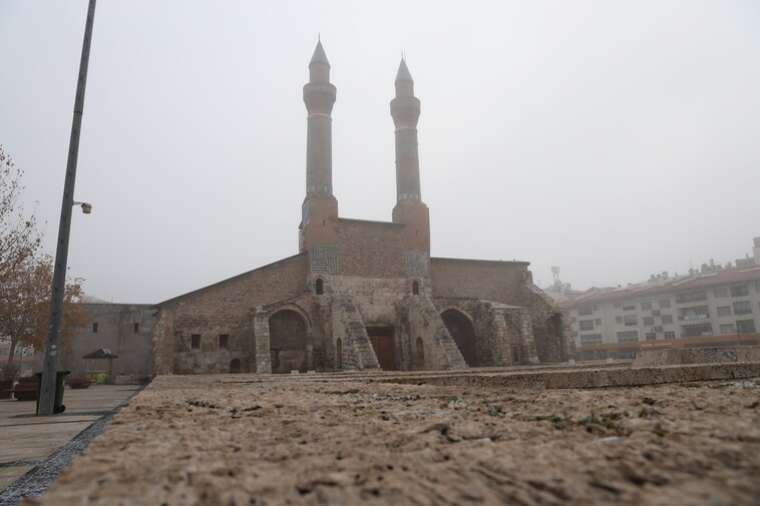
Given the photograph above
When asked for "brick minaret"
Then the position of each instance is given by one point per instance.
(410, 209)
(320, 208)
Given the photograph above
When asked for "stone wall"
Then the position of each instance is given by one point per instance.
(225, 308)
(370, 249)
(479, 279)
(508, 283)
(503, 333)
(116, 331)
(709, 355)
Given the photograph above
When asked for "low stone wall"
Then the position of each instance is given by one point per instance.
(589, 378)
(712, 355)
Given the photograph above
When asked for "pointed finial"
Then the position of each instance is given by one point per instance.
(319, 55)
(403, 73)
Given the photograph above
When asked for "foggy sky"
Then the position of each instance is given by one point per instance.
(614, 139)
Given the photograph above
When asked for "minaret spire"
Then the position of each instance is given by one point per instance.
(410, 210)
(405, 109)
(319, 96)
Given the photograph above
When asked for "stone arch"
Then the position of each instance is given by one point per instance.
(235, 366)
(288, 335)
(460, 326)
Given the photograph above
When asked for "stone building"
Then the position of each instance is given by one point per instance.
(360, 294)
(124, 329)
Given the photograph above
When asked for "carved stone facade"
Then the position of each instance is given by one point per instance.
(360, 294)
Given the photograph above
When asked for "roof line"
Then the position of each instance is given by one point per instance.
(373, 222)
(231, 278)
(484, 261)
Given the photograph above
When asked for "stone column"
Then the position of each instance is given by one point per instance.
(261, 337)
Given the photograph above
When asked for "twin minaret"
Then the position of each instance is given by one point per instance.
(320, 207)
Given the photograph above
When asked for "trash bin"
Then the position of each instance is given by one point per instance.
(58, 406)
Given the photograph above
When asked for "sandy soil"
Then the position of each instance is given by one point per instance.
(234, 440)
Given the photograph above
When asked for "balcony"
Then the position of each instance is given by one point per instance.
(693, 317)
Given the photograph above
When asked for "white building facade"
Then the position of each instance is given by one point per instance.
(722, 305)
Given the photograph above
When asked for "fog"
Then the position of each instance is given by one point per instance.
(614, 139)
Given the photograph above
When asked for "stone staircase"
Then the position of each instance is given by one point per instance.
(426, 323)
(348, 325)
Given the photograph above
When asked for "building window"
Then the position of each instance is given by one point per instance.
(416, 288)
(627, 336)
(658, 328)
(742, 307)
(648, 321)
(195, 341)
(618, 319)
(664, 303)
(724, 310)
(598, 321)
(585, 310)
(727, 328)
(630, 320)
(720, 292)
(586, 324)
(702, 329)
(587, 339)
(629, 307)
(136, 328)
(651, 336)
(646, 306)
(95, 328)
(694, 313)
(691, 297)
(739, 290)
(757, 285)
(745, 327)
(670, 334)
(319, 286)
(667, 318)
(224, 341)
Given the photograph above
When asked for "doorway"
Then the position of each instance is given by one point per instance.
(383, 342)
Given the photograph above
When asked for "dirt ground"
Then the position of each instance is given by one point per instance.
(238, 440)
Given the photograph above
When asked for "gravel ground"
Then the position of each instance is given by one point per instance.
(219, 440)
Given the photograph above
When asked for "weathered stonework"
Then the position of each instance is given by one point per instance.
(360, 294)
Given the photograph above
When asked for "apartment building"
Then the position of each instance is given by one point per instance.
(717, 307)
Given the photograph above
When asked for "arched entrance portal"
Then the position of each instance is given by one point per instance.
(460, 328)
(287, 341)
(235, 366)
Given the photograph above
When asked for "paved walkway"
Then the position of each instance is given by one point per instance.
(26, 439)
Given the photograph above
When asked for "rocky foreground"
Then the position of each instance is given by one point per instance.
(241, 440)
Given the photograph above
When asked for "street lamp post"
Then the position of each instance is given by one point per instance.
(50, 362)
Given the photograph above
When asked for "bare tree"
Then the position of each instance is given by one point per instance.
(25, 273)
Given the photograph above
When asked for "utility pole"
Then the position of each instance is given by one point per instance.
(50, 363)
